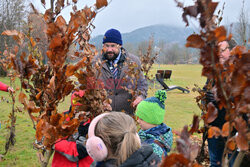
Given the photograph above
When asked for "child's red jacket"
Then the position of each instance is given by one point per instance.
(3, 87)
(70, 154)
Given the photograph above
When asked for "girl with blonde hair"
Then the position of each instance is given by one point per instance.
(113, 141)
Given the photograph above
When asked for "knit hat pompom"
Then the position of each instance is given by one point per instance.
(161, 95)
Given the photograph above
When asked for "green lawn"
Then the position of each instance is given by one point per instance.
(180, 108)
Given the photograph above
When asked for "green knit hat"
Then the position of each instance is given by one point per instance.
(152, 109)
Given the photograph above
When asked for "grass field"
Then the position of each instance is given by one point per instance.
(180, 108)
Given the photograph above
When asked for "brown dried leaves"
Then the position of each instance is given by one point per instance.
(101, 3)
(46, 84)
(231, 83)
(188, 150)
(18, 36)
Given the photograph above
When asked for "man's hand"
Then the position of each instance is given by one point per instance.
(137, 101)
(107, 107)
(210, 97)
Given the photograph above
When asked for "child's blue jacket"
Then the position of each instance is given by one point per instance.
(159, 137)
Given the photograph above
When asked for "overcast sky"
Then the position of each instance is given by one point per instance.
(128, 15)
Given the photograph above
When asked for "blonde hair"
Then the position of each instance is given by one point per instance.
(119, 133)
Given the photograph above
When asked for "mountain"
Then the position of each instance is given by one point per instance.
(169, 34)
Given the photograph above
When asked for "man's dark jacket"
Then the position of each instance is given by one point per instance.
(121, 98)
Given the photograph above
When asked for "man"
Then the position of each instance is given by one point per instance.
(224, 51)
(114, 76)
(216, 144)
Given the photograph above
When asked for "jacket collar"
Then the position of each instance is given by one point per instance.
(142, 157)
(158, 130)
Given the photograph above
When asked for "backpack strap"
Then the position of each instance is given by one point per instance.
(164, 148)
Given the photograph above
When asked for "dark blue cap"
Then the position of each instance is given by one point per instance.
(113, 36)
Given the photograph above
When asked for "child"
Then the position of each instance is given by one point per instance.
(150, 113)
(70, 152)
(113, 141)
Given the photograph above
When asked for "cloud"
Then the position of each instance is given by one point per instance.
(128, 15)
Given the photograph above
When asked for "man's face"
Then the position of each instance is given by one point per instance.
(111, 50)
(224, 51)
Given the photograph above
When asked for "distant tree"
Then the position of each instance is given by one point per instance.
(242, 29)
(176, 54)
(162, 58)
(142, 46)
(186, 56)
(38, 32)
(12, 16)
(170, 53)
(132, 48)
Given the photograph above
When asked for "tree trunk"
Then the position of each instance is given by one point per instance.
(239, 159)
(47, 156)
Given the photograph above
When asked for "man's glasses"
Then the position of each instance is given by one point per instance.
(110, 45)
(224, 49)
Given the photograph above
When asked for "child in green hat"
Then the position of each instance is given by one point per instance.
(150, 113)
